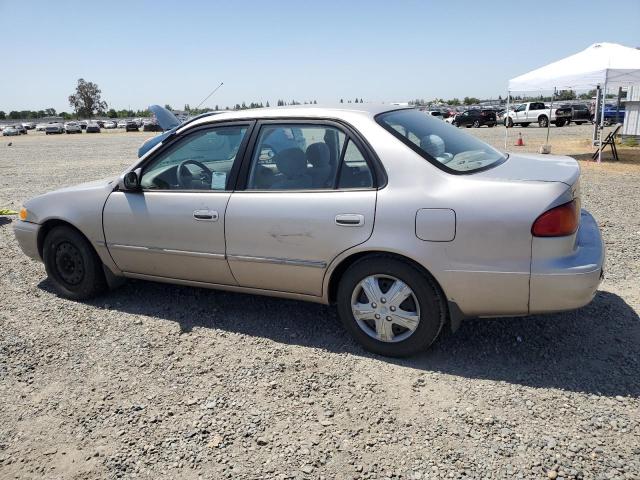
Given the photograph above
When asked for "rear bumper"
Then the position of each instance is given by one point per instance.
(27, 235)
(569, 282)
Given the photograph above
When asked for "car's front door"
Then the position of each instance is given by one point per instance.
(299, 207)
(174, 226)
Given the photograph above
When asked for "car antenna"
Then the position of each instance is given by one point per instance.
(207, 97)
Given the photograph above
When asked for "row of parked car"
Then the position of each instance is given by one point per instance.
(525, 114)
(90, 126)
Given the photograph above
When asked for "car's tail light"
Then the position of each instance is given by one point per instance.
(558, 222)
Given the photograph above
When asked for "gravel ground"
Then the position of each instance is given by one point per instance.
(158, 381)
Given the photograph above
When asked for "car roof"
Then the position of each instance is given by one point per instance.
(299, 111)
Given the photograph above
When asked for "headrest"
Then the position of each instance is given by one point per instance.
(291, 162)
(318, 154)
(433, 145)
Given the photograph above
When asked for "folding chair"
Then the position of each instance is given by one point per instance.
(609, 140)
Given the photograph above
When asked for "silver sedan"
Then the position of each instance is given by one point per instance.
(405, 223)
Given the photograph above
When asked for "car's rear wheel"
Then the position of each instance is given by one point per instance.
(72, 265)
(390, 307)
(476, 124)
(543, 121)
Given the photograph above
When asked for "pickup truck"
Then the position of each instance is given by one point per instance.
(525, 114)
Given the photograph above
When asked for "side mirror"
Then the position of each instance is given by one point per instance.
(130, 181)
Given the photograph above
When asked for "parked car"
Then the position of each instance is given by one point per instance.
(20, 128)
(99, 122)
(93, 127)
(132, 126)
(10, 131)
(109, 124)
(150, 126)
(41, 127)
(475, 118)
(54, 128)
(613, 114)
(537, 112)
(72, 127)
(408, 228)
(122, 124)
(83, 124)
(29, 125)
(579, 113)
(435, 113)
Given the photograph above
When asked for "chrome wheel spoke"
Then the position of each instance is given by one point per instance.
(384, 330)
(371, 289)
(398, 293)
(363, 311)
(408, 320)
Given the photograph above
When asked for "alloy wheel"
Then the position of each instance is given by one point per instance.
(385, 308)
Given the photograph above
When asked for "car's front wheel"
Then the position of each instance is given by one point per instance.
(390, 306)
(72, 265)
(476, 124)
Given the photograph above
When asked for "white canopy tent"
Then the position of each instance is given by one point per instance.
(602, 65)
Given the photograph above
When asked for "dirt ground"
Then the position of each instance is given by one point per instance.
(158, 381)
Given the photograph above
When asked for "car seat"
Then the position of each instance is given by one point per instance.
(292, 168)
(318, 156)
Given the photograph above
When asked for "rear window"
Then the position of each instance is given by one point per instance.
(440, 143)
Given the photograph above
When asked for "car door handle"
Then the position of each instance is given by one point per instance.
(350, 220)
(205, 215)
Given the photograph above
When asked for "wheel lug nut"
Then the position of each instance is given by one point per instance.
(388, 319)
(374, 305)
(377, 315)
(393, 309)
(383, 300)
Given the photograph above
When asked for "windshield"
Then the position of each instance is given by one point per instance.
(442, 144)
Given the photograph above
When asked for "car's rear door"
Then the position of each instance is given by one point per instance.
(299, 204)
(174, 227)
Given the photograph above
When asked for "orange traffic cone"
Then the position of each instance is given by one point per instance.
(519, 142)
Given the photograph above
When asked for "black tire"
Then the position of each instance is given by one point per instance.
(525, 124)
(508, 122)
(433, 310)
(455, 124)
(579, 123)
(560, 123)
(543, 121)
(491, 125)
(72, 264)
(476, 124)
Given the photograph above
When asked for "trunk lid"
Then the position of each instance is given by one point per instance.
(534, 167)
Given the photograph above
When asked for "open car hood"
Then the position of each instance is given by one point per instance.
(165, 118)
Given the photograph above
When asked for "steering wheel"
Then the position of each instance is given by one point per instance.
(185, 181)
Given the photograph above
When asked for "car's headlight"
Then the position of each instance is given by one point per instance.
(23, 214)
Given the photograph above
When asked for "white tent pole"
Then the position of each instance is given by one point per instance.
(506, 121)
(604, 100)
(550, 113)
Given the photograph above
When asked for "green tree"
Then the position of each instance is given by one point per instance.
(341, 100)
(268, 104)
(470, 100)
(50, 112)
(66, 116)
(356, 101)
(361, 100)
(3, 115)
(566, 95)
(112, 113)
(86, 101)
(168, 107)
(14, 115)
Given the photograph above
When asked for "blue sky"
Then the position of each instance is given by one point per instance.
(143, 52)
